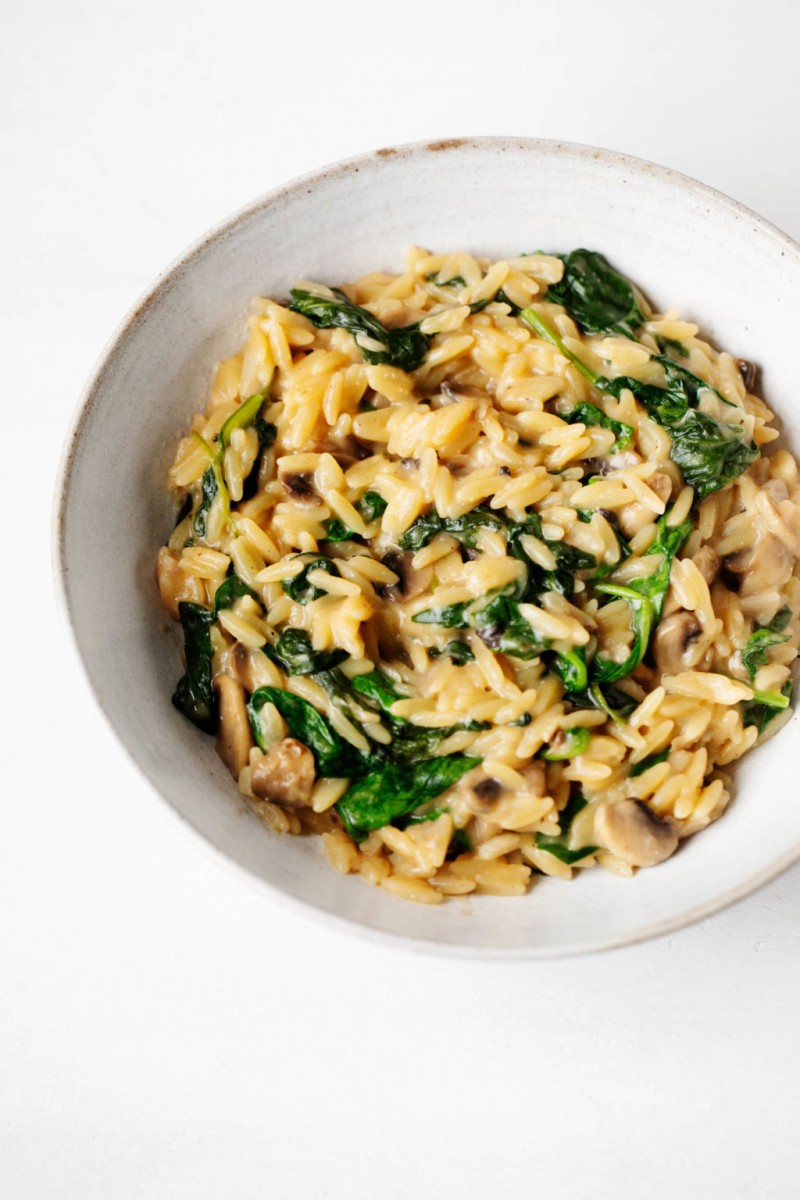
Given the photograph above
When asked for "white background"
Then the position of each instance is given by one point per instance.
(166, 1029)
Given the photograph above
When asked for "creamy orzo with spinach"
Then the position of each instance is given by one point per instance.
(485, 570)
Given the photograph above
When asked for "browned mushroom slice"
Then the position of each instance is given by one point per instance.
(411, 581)
(748, 372)
(680, 644)
(635, 516)
(285, 775)
(234, 737)
(299, 487)
(240, 666)
(484, 794)
(766, 564)
(630, 831)
(707, 562)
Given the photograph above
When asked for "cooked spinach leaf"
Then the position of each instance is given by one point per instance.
(298, 587)
(465, 528)
(459, 652)
(393, 791)
(496, 619)
(243, 416)
(572, 743)
(212, 482)
(294, 654)
(557, 846)
(589, 414)
(571, 666)
(333, 755)
(337, 531)
(615, 703)
(229, 591)
(194, 695)
(597, 297)
(645, 764)
(183, 511)
(646, 597)
(456, 281)
(404, 348)
(604, 670)
(502, 627)
(765, 706)
(459, 844)
(665, 344)
(370, 506)
(208, 489)
(266, 437)
(710, 453)
(754, 652)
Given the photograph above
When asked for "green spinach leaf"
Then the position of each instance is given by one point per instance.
(194, 695)
(229, 591)
(754, 652)
(597, 297)
(710, 453)
(645, 764)
(558, 846)
(294, 654)
(333, 755)
(589, 414)
(765, 706)
(572, 743)
(394, 791)
(459, 652)
(404, 348)
(298, 587)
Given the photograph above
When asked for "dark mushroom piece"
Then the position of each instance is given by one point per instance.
(764, 565)
(234, 737)
(707, 562)
(630, 831)
(285, 775)
(680, 645)
(635, 516)
(240, 666)
(484, 795)
(299, 486)
(748, 372)
(411, 581)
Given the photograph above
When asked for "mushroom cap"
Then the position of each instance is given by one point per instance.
(629, 830)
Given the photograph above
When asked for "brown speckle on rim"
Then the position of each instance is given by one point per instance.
(447, 144)
(386, 152)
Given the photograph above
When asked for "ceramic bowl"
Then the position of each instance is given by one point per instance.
(686, 245)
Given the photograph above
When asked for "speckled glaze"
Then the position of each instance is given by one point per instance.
(685, 244)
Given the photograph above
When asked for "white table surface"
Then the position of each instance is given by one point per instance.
(166, 1029)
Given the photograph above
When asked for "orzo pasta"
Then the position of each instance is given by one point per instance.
(484, 570)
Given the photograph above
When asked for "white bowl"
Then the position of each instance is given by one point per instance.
(683, 243)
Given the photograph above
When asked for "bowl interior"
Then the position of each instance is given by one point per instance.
(685, 245)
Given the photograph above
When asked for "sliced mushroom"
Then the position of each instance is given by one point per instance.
(748, 372)
(411, 581)
(629, 830)
(535, 777)
(635, 516)
(240, 666)
(680, 644)
(234, 738)
(766, 564)
(707, 562)
(285, 775)
(484, 795)
(299, 486)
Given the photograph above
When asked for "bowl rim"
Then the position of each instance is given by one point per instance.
(85, 407)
